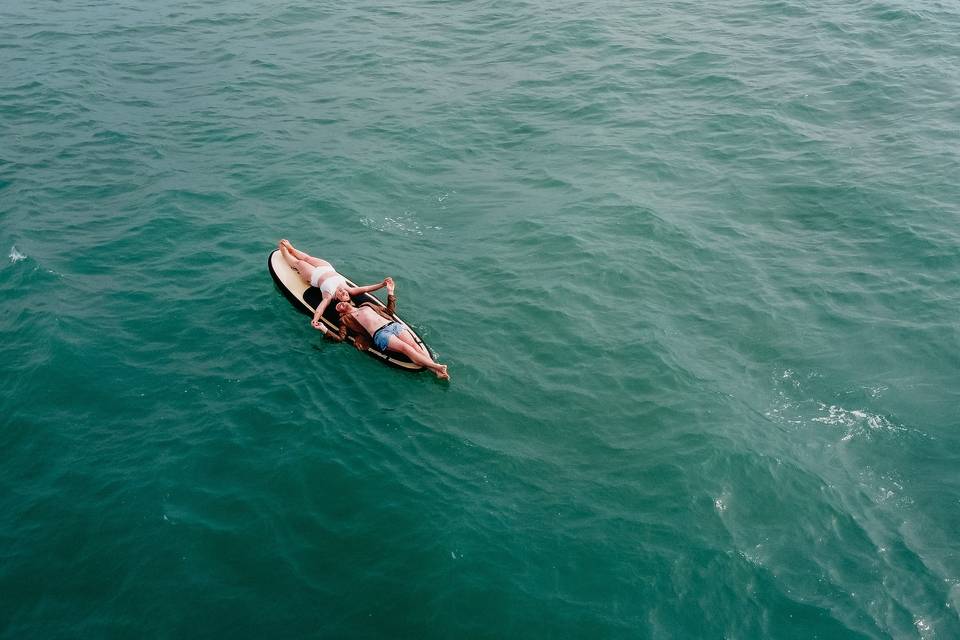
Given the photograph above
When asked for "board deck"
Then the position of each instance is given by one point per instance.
(306, 298)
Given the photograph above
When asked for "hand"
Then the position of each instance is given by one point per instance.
(316, 325)
(390, 286)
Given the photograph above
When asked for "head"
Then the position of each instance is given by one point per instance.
(341, 294)
(344, 307)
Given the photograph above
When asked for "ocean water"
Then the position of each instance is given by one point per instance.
(695, 269)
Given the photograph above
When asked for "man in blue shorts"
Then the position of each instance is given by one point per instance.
(388, 334)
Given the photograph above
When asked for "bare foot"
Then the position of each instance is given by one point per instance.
(442, 372)
(296, 253)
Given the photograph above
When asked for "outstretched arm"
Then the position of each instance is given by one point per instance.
(391, 299)
(355, 291)
(319, 312)
(391, 303)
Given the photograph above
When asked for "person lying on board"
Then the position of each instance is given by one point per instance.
(371, 320)
(320, 273)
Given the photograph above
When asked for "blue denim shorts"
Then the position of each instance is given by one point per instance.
(382, 336)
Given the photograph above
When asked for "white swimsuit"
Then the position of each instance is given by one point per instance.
(318, 272)
(330, 285)
(333, 279)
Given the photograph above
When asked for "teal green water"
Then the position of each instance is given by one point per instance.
(694, 269)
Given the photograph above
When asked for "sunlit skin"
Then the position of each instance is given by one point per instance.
(403, 342)
(304, 264)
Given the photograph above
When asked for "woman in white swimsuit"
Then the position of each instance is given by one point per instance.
(321, 274)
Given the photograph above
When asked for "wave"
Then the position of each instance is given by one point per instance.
(16, 256)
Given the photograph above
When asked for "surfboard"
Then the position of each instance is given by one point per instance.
(306, 298)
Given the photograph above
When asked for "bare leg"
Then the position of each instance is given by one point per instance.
(398, 345)
(300, 255)
(286, 255)
(407, 337)
(301, 267)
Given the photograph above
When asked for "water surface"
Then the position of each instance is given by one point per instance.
(694, 270)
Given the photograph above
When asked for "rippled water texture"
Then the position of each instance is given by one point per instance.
(694, 268)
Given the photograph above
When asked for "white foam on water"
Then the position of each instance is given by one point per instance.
(854, 419)
(16, 256)
(721, 501)
(404, 224)
(877, 391)
(789, 408)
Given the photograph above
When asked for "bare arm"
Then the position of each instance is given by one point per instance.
(355, 291)
(391, 307)
(391, 299)
(391, 302)
(319, 312)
